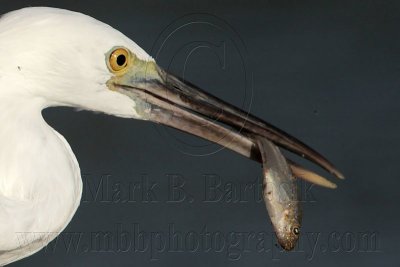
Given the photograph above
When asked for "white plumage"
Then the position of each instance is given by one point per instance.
(48, 57)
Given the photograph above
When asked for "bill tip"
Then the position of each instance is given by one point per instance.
(340, 175)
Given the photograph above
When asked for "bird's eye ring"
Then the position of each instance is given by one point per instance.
(119, 59)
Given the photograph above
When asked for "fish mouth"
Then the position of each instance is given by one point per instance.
(164, 98)
(288, 238)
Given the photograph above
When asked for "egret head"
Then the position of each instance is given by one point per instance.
(65, 58)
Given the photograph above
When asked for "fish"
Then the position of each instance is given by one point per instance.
(280, 194)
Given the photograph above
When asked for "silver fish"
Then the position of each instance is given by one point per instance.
(280, 194)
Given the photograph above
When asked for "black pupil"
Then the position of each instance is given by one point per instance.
(121, 59)
(296, 231)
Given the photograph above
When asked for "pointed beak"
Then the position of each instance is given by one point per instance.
(164, 98)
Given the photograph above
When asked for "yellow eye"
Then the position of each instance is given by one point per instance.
(119, 59)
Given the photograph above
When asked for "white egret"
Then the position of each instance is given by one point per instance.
(52, 57)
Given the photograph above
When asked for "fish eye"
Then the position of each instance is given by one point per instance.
(296, 231)
(119, 59)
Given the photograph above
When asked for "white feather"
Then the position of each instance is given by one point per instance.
(48, 57)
